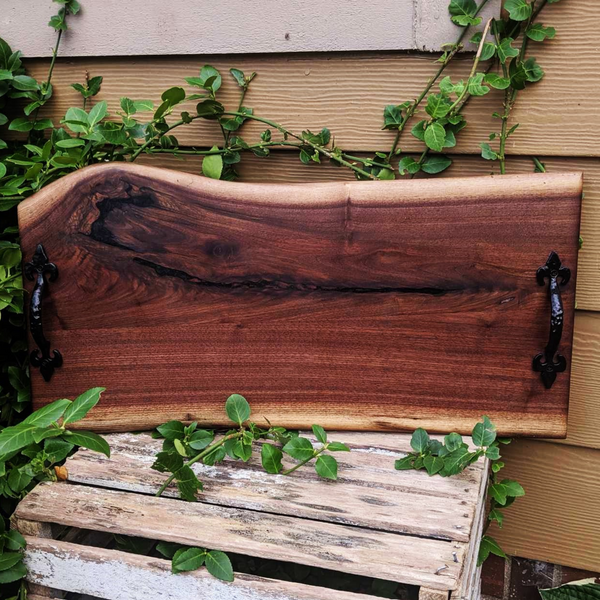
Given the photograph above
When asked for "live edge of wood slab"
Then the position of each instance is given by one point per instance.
(366, 306)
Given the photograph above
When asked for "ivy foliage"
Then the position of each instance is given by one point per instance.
(453, 455)
(32, 451)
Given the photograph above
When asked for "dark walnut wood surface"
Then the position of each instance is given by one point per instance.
(367, 305)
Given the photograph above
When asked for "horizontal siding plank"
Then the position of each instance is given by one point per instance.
(347, 92)
(558, 519)
(307, 26)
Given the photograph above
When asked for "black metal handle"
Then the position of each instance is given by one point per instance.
(550, 362)
(37, 269)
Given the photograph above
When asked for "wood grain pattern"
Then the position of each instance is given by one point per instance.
(557, 520)
(114, 575)
(347, 92)
(371, 306)
(282, 167)
(584, 403)
(373, 498)
(401, 558)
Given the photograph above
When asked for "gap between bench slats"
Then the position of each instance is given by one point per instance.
(369, 492)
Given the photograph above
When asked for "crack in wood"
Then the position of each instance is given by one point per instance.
(265, 284)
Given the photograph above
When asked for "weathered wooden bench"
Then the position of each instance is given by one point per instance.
(398, 526)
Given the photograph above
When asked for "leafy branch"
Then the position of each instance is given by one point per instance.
(454, 455)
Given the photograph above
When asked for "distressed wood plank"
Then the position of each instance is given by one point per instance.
(401, 558)
(374, 495)
(365, 305)
(347, 92)
(557, 520)
(114, 575)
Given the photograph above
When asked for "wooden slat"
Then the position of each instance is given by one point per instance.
(558, 519)
(394, 557)
(114, 575)
(347, 92)
(374, 496)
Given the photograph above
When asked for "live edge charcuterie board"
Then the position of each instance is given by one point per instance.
(366, 305)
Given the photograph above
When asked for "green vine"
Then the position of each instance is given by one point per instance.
(454, 455)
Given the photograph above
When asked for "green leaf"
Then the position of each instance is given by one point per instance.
(97, 113)
(419, 130)
(201, 439)
(299, 448)
(337, 447)
(209, 108)
(13, 574)
(179, 447)
(493, 453)
(532, 70)
(488, 51)
(326, 466)
(456, 461)
(320, 433)
(167, 462)
(487, 546)
(586, 590)
(238, 76)
(143, 105)
(21, 124)
(487, 152)
(404, 464)
(73, 143)
(453, 441)
(18, 480)
(9, 559)
(435, 136)
(496, 515)
(484, 433)
(506, 51)
(392, 116)
(419, 440)
(173, 96)
(519, 10)
(496, 81)
(42, 124)
(47, 415)
(271, 458)
(82, 405)
(173, 430)
(89, 440)
(476, 87)
(219, 565)
(210, 78)
(187, 483)
(16, 437)
(25, 83)
(433, 464)
(538, 33)
(513, 488)
(463, 12)
(188, 560)
(438, 106)
(14, 540)
(237, 408)
(57, 450)
(408, 164)
(498, 492)
(168, 549)
(212, 165)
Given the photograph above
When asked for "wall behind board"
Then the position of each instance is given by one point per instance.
(558, 521)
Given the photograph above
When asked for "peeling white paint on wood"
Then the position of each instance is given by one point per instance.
(115, 575)
(151, 27)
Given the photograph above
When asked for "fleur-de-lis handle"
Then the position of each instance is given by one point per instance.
(550, 362)
(37, 269)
